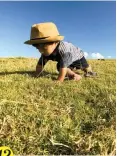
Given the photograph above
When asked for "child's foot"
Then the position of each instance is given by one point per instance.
(90, 74)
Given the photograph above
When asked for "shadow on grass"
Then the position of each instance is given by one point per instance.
(44, 74)
(30, 73)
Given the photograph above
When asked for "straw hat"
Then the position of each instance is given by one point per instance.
(44, 32)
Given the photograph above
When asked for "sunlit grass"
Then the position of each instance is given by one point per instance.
(39, 116)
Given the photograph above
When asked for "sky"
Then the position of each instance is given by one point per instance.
(90, 25)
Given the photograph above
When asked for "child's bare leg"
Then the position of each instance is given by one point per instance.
(88, 69)
(88, 72)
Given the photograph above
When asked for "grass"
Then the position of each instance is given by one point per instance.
(39, 116)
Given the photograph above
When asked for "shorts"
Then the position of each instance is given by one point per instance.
(78, 64)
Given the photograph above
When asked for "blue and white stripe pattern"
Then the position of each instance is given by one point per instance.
(66, 47)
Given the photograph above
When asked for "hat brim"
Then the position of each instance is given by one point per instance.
(48, 39)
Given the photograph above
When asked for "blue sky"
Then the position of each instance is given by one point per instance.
(90, 25)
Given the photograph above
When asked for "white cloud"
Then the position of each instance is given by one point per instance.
(108, 56)
(86, 54)
(97, 55)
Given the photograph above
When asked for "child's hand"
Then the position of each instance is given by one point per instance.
(77, 77)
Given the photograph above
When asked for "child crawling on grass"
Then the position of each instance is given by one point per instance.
(46, 38)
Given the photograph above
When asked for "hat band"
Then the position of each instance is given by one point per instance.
(39, 38)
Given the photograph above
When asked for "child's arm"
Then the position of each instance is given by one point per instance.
(40, 65)
(39, 69)
(62, 74)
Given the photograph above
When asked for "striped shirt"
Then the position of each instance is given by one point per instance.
(65, 54)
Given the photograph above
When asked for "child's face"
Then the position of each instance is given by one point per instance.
(46, 48)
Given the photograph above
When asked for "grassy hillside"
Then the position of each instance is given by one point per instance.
(39, 116)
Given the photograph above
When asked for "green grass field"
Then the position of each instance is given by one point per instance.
(39, 116)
